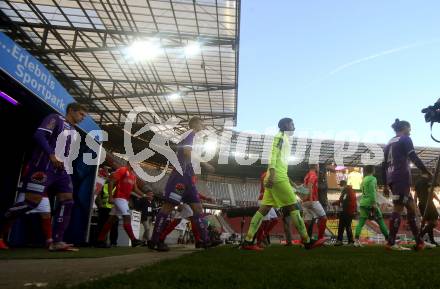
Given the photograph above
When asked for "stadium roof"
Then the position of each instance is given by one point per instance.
(306, 151)
(98, 48)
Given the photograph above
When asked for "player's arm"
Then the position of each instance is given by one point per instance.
(416, 197)
(114, 179)
(341, 197)
(434, 195)
(373, 192)
(386, 190)
(276, 152)
(204, 197)
(187, 153)
(98, 200)
(292, 183)
(41, 136)
(137, 192)
(409, 148)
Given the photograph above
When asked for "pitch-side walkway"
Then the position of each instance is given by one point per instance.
(41, 273)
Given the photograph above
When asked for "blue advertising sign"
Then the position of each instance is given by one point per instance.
(29, 72)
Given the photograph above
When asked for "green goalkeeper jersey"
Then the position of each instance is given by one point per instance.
(369, 189)
(279, 158)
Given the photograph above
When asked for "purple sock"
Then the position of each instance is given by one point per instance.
(201, 226)
(159, 226)
(62, 219)
(414, 228)
(394, 228)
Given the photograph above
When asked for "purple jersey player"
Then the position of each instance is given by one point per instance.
(181, 188)
(47, 173)
(397, 177)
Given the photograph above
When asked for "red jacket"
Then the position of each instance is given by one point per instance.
(348, 201)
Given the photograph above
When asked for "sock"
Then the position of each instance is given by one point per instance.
(414, 228)
(195, 231)
(383, 228)
(310, 226)
(299, 225)
(272, 224)
(62, 219)
(17, 210)
(322, 225)
(394, 228)
(431, 234)
(359, 227)
(159, 226)
(201, 227)
(104, 231)
(254, 226)
(261, 233)
(129, 230)
(46, 224)
(169, 228)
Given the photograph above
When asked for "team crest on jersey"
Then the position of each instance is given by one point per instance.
(180, 188)
(39, 177)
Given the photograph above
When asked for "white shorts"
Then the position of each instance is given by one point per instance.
(185, 212)
(271, 215)
(312, 210)
(43, 206)
(120, 207)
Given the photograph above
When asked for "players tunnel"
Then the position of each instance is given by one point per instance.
(28, 93)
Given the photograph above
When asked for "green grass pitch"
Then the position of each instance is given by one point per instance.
(281, 267)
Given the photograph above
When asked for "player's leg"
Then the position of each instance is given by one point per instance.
(114, 234)
(46, 225)
(257, 220)
(259, 236)
(432, 225)
(30, 202)
(62, 186)
(310, 223)
(412, 222)
(399, 196)
(43, 209)
(174, 191)
(160, 225)
(319, 212)
(108, 225)
(363, 216)
(379, 219)
(113, 218)
(126, 219)
(287, 224)
(169, 228)
(341, 227)
(348, 229)
(146, 230)
(308, 217)
(199, 222)
(285, 197)
(272, 222)
(61, 222)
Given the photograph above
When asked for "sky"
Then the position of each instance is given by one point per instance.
(339, 67)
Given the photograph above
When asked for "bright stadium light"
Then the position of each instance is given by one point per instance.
(144, 50)
(174, 96)
(210, 146)
(192, 49)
